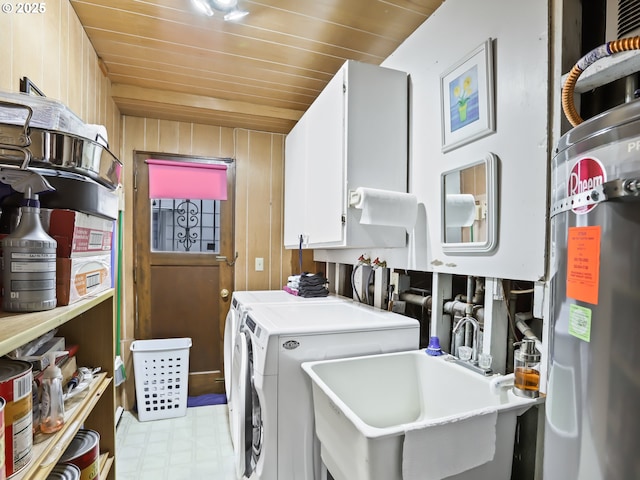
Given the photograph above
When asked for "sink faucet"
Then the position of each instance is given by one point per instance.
(474, 345)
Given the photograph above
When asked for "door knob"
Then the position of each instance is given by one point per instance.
(224, 293)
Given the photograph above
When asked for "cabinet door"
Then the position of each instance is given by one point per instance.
(295, 159)
(352, 136)
(325, 166)
(376, 145)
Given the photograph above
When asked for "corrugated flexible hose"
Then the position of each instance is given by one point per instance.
(609, 48)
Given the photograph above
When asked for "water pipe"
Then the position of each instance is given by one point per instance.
(474, 342)
(521, 318)
(469, 313)
(367, 291)
(470, 290)
(608, 49)
(362, 260)
(457, 308)
(415, 299)
(478, 296)
(353, 282)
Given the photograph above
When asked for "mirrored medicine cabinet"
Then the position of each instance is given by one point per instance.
(469, 207)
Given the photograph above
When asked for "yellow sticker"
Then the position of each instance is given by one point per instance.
(580, 322)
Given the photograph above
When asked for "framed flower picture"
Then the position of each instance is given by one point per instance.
(466, 95)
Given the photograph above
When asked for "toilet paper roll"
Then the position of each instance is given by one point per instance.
(459, 210)
(385, 207)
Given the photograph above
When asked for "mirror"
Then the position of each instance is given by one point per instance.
(469, 207)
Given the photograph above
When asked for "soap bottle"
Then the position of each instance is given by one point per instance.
(433, 349)
(526, 369)
(52, 402)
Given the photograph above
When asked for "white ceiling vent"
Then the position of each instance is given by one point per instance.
(623, 19)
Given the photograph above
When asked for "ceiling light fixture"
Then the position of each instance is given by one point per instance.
(224, 4)
(228, 7)
(203, 7)
(235, 15)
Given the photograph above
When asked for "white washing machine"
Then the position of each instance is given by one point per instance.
(275, 433)
(241, 302)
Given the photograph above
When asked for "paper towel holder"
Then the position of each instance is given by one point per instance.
(354, 198)
(476, 234)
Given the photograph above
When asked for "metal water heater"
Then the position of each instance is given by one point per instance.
(592, 421)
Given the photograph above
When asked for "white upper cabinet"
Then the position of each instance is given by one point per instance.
(294, 187)
(353, 135)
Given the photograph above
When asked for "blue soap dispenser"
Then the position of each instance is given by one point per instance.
(433, 348)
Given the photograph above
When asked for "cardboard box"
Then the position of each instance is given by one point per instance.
(40, 359)
(80, 277)
(68, 369)
(79, 234)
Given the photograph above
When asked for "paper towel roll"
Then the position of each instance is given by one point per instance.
(459, 210)
(385, 207)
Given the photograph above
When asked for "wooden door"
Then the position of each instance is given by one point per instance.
(183, 289)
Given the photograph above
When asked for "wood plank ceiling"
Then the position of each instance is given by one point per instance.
(165, 60)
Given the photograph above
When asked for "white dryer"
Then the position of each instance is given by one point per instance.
(275, 433)
(241, 302)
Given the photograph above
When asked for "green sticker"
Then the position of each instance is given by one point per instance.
(580, 322)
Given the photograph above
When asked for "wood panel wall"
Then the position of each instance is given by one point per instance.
(54, 52)
(259, 159)
(259, 211)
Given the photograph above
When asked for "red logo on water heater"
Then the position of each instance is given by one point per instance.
(586, 174)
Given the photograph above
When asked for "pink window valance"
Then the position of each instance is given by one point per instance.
(172, 179)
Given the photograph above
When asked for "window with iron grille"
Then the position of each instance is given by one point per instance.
(185, 225)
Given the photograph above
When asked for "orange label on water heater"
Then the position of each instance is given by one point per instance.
(583, 264)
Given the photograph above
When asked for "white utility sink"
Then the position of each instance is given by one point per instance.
(364, 405)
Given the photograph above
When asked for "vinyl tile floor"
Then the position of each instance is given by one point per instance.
(195, 446)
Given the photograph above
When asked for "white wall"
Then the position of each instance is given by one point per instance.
(521, 32)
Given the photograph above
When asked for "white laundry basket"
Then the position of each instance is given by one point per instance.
(161, 368)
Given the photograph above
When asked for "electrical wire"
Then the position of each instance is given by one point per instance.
(511, 321)
(353, 283)
(519, 292)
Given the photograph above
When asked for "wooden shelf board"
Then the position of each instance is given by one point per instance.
(106, 462)
(45, 453)
(16, 329)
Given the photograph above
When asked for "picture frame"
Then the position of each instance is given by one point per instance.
(467, 98)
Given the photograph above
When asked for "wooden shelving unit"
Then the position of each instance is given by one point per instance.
(89, 324)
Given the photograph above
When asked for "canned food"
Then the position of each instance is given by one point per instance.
(64, 471)
(15, 387)
(84, 453)
(2, 468)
